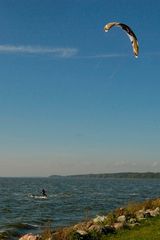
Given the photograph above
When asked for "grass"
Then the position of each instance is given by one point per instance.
(148, 230)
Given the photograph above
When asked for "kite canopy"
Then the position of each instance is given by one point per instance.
(129, 32)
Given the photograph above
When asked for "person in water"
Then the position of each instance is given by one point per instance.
(44, 193)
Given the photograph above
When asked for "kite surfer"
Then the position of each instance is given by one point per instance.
(44, 192)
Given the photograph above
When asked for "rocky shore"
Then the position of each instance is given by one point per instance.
(126, 217)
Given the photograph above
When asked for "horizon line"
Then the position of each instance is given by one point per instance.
(83, 174)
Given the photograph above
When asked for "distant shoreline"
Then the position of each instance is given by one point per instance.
(132, 175)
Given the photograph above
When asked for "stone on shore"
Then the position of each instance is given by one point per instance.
(29, 236)
(153, 213)
(121, 219)
(118, 225)
(99, 219)
(140, 215)
(82, 232)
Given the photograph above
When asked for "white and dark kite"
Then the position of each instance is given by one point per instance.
(129, 32)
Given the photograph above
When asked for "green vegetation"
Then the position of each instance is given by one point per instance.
(122, 175)
(148, 230)
(114, 175)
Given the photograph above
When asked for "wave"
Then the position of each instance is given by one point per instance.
(18, 225)
(13, 231)
(9, 234)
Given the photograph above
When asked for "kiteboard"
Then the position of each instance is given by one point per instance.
(37, 196)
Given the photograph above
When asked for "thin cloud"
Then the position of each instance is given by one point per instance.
(57, 52)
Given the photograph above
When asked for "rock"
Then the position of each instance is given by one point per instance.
(79, 226)
(140, 215)
(29, 236)
(102, 229)
(80, 235)
(121, 219)
(108, 229)
(156, 212)
(99, 219)
(132, 220)
(89, 224)
(118, 225)
(121, 211)
(152, 213)
(75, 227)
(82, 232)
(95, 227)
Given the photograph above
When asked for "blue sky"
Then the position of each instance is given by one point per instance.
(73, 98)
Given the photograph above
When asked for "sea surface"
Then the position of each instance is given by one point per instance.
(70, 200)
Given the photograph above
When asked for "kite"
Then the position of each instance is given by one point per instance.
(129, 32)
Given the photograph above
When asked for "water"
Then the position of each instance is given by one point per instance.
(70, 200)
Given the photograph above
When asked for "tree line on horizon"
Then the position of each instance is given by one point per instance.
(116, 175)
